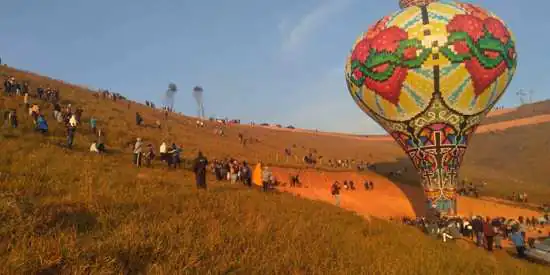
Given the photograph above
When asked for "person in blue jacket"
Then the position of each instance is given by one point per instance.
(41, 124)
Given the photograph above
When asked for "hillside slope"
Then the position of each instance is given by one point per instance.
(75, 213)
(71, 212)
(523, 150)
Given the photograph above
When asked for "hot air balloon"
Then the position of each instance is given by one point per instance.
(197, 94)
(428, 74)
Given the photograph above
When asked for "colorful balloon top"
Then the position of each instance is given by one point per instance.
(456, 50)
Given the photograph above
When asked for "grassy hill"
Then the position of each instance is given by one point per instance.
(73, 212)
(527, 110)
(522, 151)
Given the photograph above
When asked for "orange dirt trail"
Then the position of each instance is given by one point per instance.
(387, 199)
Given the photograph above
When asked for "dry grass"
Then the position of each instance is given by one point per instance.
(523, 151)
(524, 111)
(72, 212)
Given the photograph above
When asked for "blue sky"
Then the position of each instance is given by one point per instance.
(277, 61)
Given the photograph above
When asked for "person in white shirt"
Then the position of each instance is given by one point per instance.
(163, 150)
(73, 122)
(93, 148)
(138, 152)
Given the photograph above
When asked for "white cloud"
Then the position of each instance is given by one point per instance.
(331, 108)
(295, 36)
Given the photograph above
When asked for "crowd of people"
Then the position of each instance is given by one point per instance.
(223, 170)
(106, 94)
(336, 188)
(519, 197)
(485, 232)
(66, 115)
(232, 170)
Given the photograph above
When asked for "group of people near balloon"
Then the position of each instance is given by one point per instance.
(483, 231)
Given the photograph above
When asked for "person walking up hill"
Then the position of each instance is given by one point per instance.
(93, 124)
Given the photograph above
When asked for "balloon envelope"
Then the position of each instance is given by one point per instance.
(197, 89)
(428, 74)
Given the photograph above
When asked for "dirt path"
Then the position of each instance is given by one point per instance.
(387, 199)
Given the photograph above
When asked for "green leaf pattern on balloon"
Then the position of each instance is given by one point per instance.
(486, 43)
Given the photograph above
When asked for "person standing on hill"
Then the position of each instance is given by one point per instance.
(71, 130)
(93, 124)
(519, 243)
(335, 191)
(41, 124)
(266, 178)
(100, 141)
(477, 225)
(489, 232)
(199, 168)
(137, 152)
(163, 152)
(139, 119)
(149, 155)
(246, 174)
(175, 155)
(26, 100)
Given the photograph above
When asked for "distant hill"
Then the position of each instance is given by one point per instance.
(524, 111)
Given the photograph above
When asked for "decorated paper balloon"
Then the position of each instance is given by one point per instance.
(428, 74)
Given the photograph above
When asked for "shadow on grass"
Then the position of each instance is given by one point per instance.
(8, 136)
(135, 260)
(53, 269)
(512, 253)
(55, 217)
(407, 181)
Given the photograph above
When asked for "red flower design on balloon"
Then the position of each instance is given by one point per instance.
(382, 41)
(476, 28)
